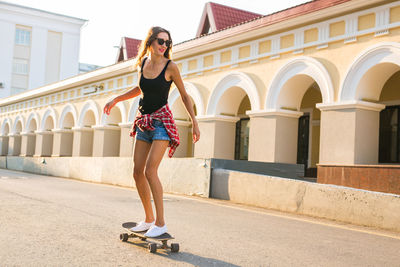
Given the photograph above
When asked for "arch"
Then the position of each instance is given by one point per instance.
(69, 108)
(32, 116)
(20, 119)
(133, 109)
(89, 105)
(233, 79)
(6, 122)
(194, 92)
(302, 69)
(381, 61)
(50, 112)
(122, 108)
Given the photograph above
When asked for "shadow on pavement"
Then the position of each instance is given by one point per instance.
(185, 257)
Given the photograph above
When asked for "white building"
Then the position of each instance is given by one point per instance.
(36, 48)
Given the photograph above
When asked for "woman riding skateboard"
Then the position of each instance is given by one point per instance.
(154, 127)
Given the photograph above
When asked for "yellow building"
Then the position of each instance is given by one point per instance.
(316, 84)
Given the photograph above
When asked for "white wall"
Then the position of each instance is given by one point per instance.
(7, 33)
(69, 55)
(41, 22)
(37, 66)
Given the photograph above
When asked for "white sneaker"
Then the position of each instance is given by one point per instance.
(156, 231)
(142, 226)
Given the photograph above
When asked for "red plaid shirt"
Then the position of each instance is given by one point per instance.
(164, 114)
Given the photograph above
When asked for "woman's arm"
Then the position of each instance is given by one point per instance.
(177, 79)
(130, 94)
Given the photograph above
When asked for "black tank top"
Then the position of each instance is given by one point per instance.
(155, 91)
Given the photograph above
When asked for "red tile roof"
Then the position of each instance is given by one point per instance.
(128, 48)
(217, 17)
(132, 47)
(225, 16)
(257, 23)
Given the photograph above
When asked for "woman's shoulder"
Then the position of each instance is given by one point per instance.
(172, 66)
(140, 64)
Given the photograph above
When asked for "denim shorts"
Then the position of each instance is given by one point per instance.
(159, 133)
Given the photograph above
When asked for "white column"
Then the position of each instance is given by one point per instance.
(63, 143)
(127, 142)
(273, 136)
(82, 142)
(185, 148)
(4, 145)
(217, 137)
(28, 141)
(14, 144)
(44, 143)
(349, 133)
(106, 141)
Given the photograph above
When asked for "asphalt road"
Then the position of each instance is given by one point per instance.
(54, 221)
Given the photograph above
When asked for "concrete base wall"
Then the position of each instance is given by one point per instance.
(186, 176)
(319, 200)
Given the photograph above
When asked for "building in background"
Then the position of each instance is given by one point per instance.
(128, 49)
(84, 67)
(36, 48)
(316, 84)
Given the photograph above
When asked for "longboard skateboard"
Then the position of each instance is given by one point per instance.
(152, 241)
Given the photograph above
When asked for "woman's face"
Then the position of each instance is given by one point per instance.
(158, 49)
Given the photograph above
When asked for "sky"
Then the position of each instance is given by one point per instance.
(110, 20)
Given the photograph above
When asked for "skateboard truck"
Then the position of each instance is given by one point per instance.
(152, 245)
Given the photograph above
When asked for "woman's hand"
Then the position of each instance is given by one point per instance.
(196, 132)
(109, 106)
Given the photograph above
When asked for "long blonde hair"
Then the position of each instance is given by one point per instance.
(145, 44)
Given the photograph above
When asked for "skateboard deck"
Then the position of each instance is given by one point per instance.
(152, 241)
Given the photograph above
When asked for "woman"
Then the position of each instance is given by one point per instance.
(154, 127)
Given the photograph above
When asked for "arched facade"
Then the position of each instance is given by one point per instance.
(229, 81)
(28, 139)
(89, 105)
(49, 119)
(369, 71)
(301, 73)
(32, 123)
(255, 90)
(182, 119)
(192, 91)
(66, 121)
(18, 125)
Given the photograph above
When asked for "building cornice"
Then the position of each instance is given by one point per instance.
(269, 24)
(40, 13)
(79, 80)
(364, 105)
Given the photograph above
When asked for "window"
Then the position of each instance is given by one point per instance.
(22, 37)
(20, 66)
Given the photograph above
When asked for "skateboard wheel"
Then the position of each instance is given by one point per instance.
(123, 237)
(152, 248)
(174, 247)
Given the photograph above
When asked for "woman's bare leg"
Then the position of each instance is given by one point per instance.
(141, 152)
(155, 156)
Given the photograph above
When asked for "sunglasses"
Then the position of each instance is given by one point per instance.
(161, 41)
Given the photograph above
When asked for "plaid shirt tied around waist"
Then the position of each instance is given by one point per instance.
(163, 114)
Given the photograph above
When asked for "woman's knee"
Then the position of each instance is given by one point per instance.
(150, 172)
(138, 174)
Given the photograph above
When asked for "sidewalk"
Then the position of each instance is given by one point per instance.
(53, 221)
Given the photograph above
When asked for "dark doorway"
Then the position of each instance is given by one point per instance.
(242, 139)
(303, 144)
(389, 135)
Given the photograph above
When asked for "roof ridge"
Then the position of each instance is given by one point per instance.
(233, 8)
(256, 18)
